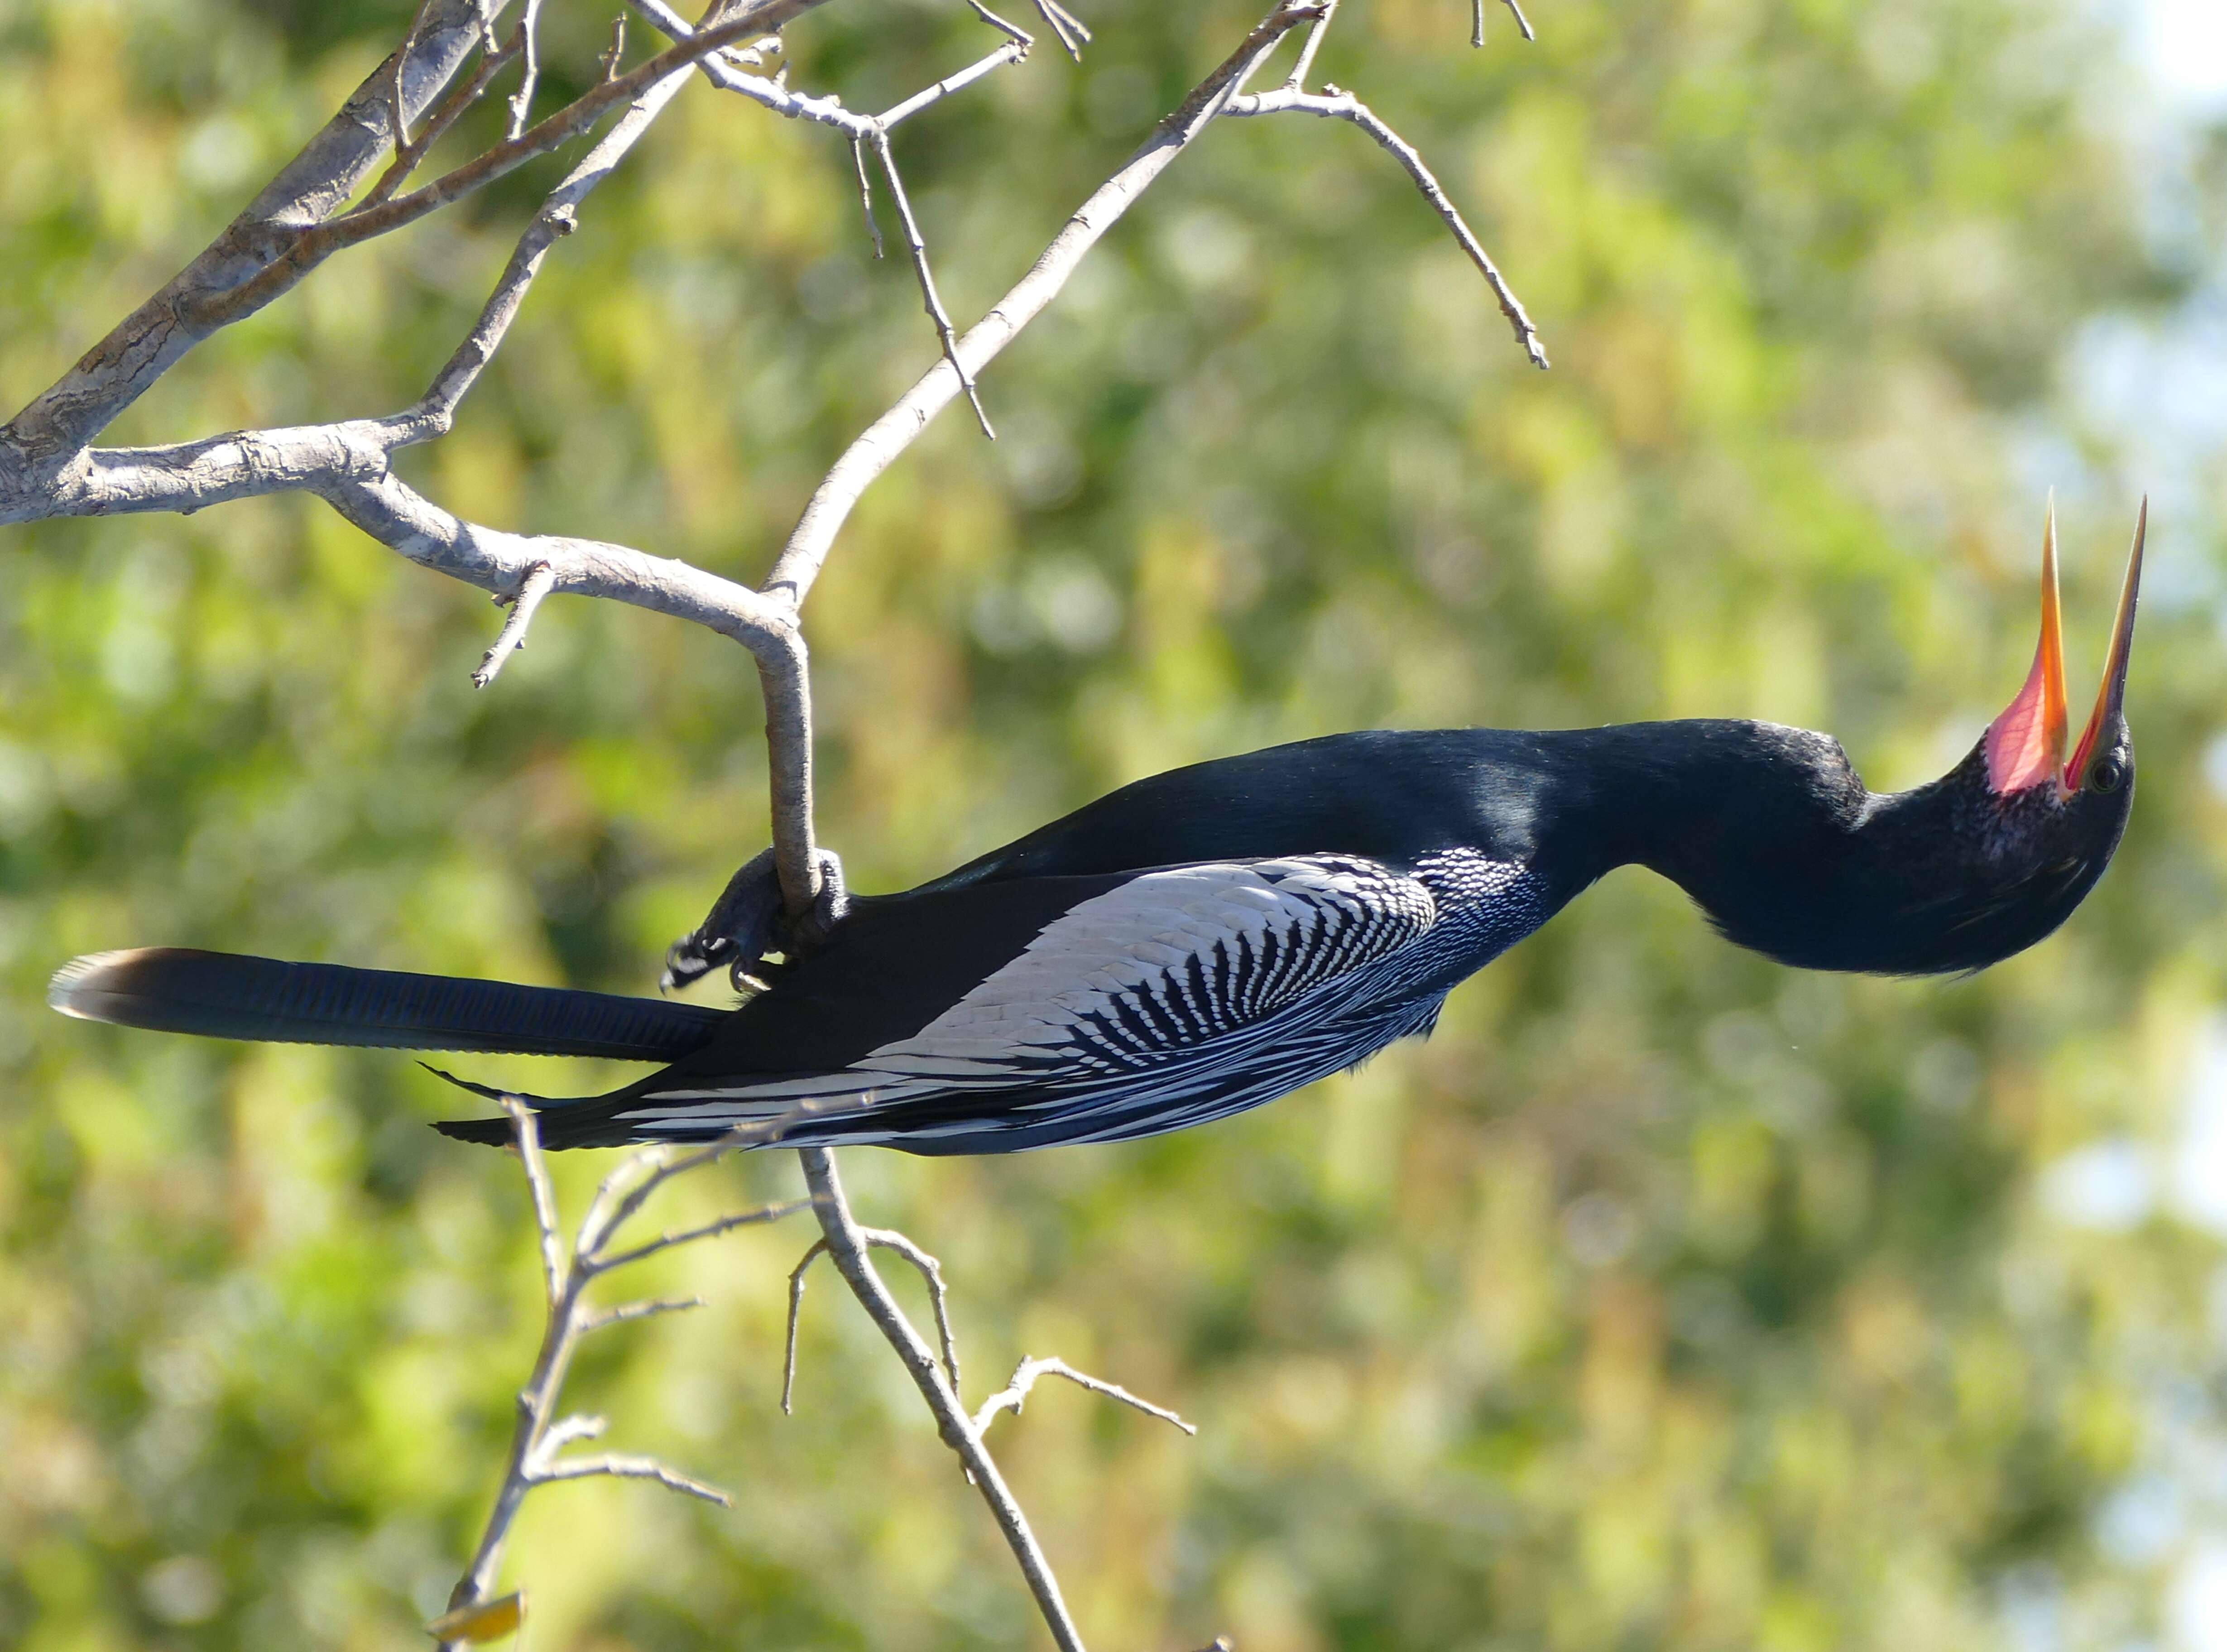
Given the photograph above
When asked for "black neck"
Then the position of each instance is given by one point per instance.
(1778, 841)
(1767, 827)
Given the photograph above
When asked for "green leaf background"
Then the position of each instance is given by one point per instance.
(1667, 1298)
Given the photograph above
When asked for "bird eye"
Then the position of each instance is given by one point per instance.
(2107, 775)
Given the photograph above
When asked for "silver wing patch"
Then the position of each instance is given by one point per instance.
(1168, 962)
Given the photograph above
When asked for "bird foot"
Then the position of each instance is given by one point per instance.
(747, 921)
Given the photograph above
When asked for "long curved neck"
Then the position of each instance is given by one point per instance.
(1706, 803)
(1777, 841)
(1696, 800)
(1768, 828)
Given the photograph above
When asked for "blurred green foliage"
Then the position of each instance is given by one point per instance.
(1667, 1298)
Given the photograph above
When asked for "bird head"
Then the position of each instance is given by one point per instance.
(2030, 826)
(1951, 877)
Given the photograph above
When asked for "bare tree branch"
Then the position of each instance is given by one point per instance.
(847, 1248)
(876, 448)
(626, 1313)
(143, 346)
(312, 246)
(866, 193)
(544, 1199)
(398, 113)
(632, 1468)
(521, 101)
(1065, 24)
(918, 248)
(1013, 51)
(49, 469)
(873, 132)
(1333, 104)
(541, 1431)
(795, 1311)
(1015, 1393)
(539, 581)
(931, 1273)
(690, 1236)
(409, 152)
(1313, 44)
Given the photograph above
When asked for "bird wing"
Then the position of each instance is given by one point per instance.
(1158, 967)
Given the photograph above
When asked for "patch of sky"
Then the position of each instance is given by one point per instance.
(2153, 385)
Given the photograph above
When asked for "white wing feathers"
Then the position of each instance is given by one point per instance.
(1159, 969)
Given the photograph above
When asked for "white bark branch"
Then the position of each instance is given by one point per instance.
(632, 1468)
(542, 1431)
(917, 245)
(1309, 46)
(1334, 104)
(877, 447)
(868, 132)
(49, 469)
(1015, 1393)
(145, 344)
(848, 1246)
(626, 1313)
(521, 102)
(1065, 24)
(538, 583)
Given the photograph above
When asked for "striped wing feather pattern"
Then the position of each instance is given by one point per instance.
(1158, 968)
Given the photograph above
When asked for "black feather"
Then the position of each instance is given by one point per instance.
(226, 995)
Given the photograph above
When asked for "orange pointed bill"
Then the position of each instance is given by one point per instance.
(2025, 744)
(2111, 697)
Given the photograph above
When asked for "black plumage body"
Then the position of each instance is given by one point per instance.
(1209, 939)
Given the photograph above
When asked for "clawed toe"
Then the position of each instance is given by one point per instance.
(746, 923)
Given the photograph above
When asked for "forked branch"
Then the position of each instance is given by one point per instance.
(568, 1267)
(368, 154)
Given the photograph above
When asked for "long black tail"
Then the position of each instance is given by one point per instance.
(226, 995)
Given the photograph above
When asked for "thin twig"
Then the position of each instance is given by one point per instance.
(866, 192)
(567, 1430)
(409, 156)
(398, 115)
(848, 1248)
(795, 1310)
(1014, 32)
(1015, 1393)
(1334, 104)
(541, 1432)
(659, 1166)
(866, 131)
(1012, 51)
(1521, 23)
(609, 61)
(690, 1236)
(1066, 25)
(918, 247)
(931, 1273)
(529, 78)
(879, 445)
(626, 1313)
(539, 581)
(1308, 47)
(632, 1468)
(545, 1198)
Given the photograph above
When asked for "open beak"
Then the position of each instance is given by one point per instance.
(2025, 744)
(2111, 697)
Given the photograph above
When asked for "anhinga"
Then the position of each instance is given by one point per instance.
(1212, 938)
